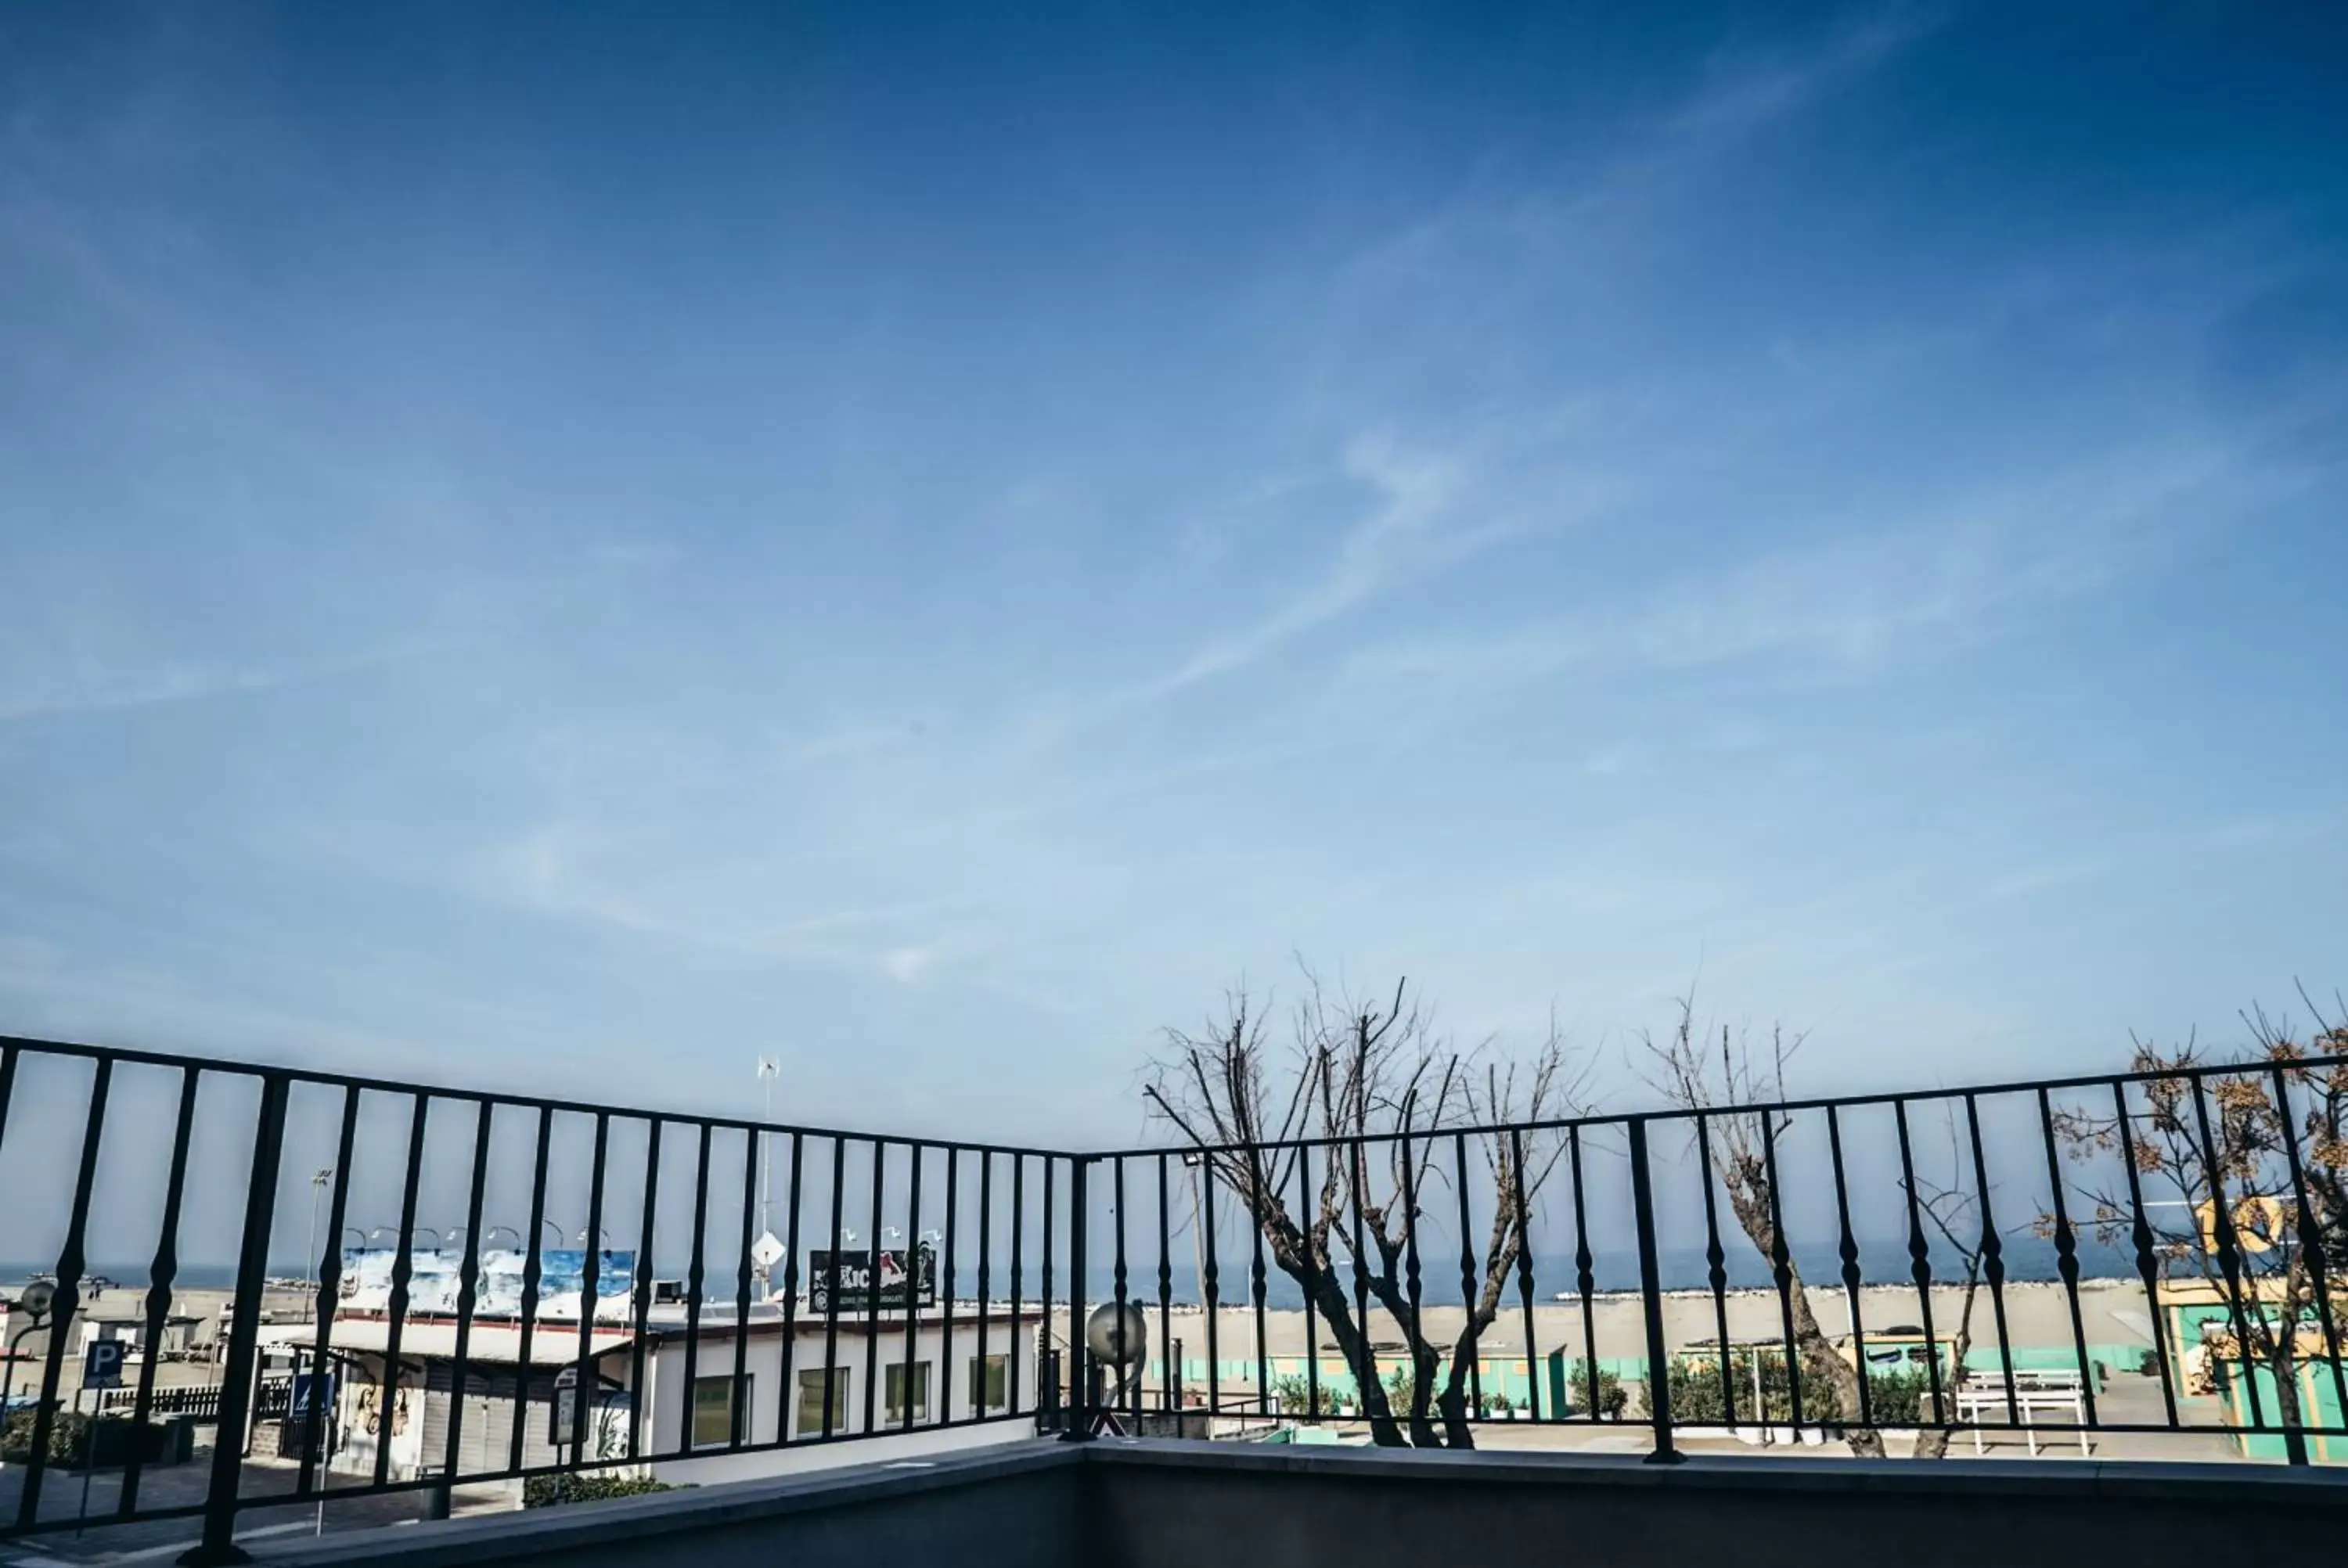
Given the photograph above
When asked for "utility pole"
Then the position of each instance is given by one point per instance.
(310, 1268)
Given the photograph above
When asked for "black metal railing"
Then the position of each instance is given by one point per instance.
(2149, 1254)
(399, 1352)
(2146, 1253)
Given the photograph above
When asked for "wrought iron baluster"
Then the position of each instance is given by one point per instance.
(222, 1497)
(1080, 1416)
(872, 1292)
(1046, 1368)
(1118, 1275)
(1852, 1275)
(2311, 1246)
(1018, 1226)
(2066, 1259)
(1308, 1265)
(985, 1278)
(787, 1392)
(159, 1278)
(1920, 1266)
(468, 1294)
(1993, 1258)
(914, 1397)
(1717, 1271)
(1651, 1296)
(1781, 1268)
(403, 1271)
(67, 1300)
(832, 1401)
(1585, 1281)
(1468, 1294)
(2230, 1249)
(590, 1279)
(737, 1423)
(947, 1288)
(1524, 1269)
(531, 1272)
(1422, 1376)
(1169, 1375)
(1205, 1172)
(696, 1279)
(1257, 1201)
(1366, 1375)
(2147, 1261)
(647, 1232)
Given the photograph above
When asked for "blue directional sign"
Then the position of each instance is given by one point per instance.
(101, 1364)
(310, 1387)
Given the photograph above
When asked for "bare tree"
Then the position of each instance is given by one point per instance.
(2253, 1157)
(1733, 1088)
(1375, 1094)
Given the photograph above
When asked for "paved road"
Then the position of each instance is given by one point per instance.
(158, 1540)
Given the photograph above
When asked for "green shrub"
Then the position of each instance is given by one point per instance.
(1402, 1384)
(1894, 1398)
(551, 1490)
(1609, 1400)
(1297, 1396)
(70, 1444)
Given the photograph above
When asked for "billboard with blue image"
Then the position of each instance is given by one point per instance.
(436, 1276)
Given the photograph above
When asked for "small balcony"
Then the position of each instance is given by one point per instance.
(2085, 1315)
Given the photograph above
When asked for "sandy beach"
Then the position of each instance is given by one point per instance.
(2114, 1318)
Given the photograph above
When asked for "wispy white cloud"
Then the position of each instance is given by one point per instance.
(56, 689)
(1413, 525)
(1859, 601)
(1432, 508)
(1748, 88)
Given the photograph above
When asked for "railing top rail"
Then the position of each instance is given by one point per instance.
(2260, 1067)
(334, 1080)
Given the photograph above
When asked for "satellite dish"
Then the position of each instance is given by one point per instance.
(1101, 1337)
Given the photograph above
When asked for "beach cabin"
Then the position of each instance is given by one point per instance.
(2206, 1360)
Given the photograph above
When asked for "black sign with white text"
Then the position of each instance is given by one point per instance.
(850, 1276)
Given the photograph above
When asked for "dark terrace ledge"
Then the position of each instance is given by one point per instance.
(1140, 1504)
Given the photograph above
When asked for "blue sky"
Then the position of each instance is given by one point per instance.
(584, 548)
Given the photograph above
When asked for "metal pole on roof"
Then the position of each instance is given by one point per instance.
(768, 1068)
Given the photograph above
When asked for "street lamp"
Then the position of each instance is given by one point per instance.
(35, 1299)
(413, 1231)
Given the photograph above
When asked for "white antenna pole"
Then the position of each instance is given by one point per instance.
(767, 1070)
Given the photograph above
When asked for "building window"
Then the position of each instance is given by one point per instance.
(989, 1384)
(811, 1386)
(894, 1391)
(715, 1421)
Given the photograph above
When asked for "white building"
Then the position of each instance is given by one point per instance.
(682, 1419)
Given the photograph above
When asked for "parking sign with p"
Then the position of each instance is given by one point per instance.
(101, 1364)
